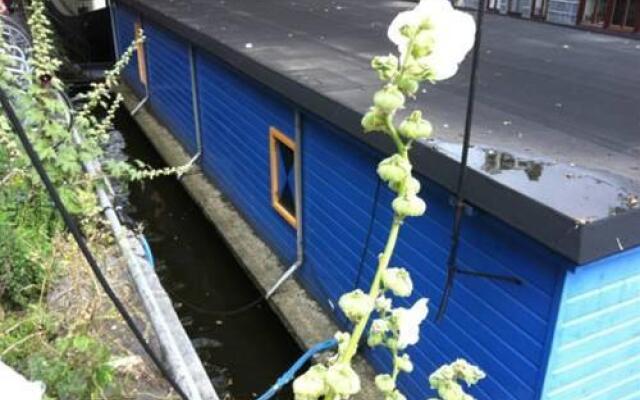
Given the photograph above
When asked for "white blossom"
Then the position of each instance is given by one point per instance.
(447, 33)
(408, 322)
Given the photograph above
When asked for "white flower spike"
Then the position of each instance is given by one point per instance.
(444, 36)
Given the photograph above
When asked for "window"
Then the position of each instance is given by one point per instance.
(142, 62)
(611, 14)
(283, 182)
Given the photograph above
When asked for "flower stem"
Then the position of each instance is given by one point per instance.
(396, 367)
(374, 291)
(394, 135)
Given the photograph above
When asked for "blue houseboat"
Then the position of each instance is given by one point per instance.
(251, 85)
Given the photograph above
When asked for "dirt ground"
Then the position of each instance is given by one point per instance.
(78, 299)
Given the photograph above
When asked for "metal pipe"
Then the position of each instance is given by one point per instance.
(114, 31)
(142, 102)
(195, 104)
(154, 311)
(297, 166)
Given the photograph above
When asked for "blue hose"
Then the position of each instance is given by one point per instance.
(148, 254)
(291, 372)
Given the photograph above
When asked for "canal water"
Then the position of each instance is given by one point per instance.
(244, 353)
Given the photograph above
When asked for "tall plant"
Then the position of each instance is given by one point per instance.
(38, 97)
(432, 39)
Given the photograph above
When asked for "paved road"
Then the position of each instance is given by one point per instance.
(557, 92)
(567, 93)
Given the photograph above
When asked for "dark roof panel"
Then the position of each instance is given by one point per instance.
(556, 133)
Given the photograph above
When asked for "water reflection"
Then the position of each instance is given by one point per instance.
(580, 193)
(496, 162)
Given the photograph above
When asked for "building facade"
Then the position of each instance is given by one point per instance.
(610, 15)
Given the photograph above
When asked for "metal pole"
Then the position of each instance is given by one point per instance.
(114, 30)
(195, 103)
(297, 165)
(460, 200)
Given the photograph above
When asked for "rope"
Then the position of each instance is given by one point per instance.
(365, 248)
(77, 235)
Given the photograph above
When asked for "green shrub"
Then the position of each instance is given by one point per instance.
(72, 366)
(27, 225)
(75, 367)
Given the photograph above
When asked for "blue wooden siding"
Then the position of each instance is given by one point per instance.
(596, 348)
(499, 326)
(125, 30)
(170, 92)
(236, 115)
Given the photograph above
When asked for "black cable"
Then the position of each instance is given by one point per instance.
(77, 235)
(460, 200)
(365, 248)
(217, 313)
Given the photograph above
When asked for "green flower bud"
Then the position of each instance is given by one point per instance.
(423, 43)
(413, 69)
(387, 67)
(412, 186)
(395, 395)
(374, 340)
(343, 380)
(409, 206)
(414, 127)
(445, 380)
(378, 332)
(356, 305)
(394, 168)
(409, 86)
(343, 341)
(405, 364)
(408, 31)
(312, 384)
(392, 342)
(374, 121)
(383, 304)
(467, 372)
(388, 99)
(385, 383)
(391, 173)
(398, 281)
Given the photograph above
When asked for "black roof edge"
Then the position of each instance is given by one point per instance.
(578, 241)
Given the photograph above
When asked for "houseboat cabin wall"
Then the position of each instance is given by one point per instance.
(596, 348)
(505, 328)
(125, 22)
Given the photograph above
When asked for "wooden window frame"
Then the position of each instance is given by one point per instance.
(276, 137)
(142, 59)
